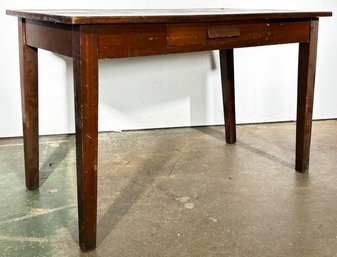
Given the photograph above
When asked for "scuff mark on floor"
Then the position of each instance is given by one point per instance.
(30, 239)
(36, 212)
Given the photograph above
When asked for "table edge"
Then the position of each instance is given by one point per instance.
(166, 18)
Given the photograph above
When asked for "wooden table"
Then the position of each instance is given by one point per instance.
(90, 35)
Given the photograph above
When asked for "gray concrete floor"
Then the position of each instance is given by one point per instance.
(178, 192)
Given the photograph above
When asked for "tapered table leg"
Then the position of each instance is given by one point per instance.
(305, 98)
(29, 102)
(86, 111)
(227, 78)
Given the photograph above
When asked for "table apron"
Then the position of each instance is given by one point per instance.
(129, 40)
(49, 36)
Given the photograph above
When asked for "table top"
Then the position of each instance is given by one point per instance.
(97, 16)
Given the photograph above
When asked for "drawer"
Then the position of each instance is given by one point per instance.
(217, 35)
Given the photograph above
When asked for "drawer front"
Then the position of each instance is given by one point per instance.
(194, 36)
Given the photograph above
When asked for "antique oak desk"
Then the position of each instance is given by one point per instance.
(90, 35)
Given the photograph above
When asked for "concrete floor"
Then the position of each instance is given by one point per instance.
(180, 193)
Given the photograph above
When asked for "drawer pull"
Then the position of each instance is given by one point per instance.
(223, 32)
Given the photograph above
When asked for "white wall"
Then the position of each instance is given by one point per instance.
(172, 90)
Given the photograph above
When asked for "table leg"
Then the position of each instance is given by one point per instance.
(29, 102)
(227, 78)
(305, 97)
(85, 60)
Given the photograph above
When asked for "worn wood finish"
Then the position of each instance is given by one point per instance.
(89, 35)
(305, 98)
(117, 41)
(228, 95)
(29, 102)
(186, 34)
(85, 59)
(106, 16)
(49, 36)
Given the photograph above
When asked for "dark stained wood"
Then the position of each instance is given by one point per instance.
(85, 58)
(305, 98)
(228, 95)
(116, 41)
(49, 36)
(88, 35)
(29, 102)
(186, 34)
(107, 16)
